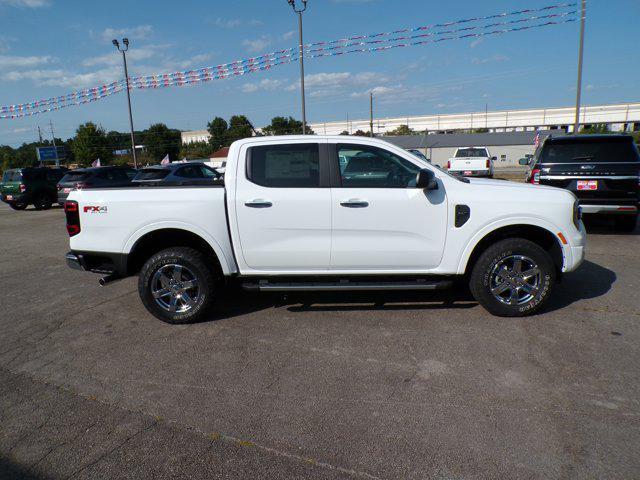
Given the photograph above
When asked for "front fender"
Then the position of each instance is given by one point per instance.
(567, 254)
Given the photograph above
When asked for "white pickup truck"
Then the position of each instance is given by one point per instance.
(318, 213)
(472, 162)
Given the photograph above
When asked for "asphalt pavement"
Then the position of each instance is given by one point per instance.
(375, 386)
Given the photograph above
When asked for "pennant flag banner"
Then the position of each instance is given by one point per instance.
(545, 16)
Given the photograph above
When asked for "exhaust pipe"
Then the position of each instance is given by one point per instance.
(108, 279)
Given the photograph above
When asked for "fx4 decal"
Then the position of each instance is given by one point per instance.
(95, 209)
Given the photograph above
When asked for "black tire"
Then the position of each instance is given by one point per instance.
(197, 266)
(626, 223)
(18, 206)
(42, 201)
(492, 271)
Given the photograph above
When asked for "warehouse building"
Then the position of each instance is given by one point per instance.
(507, 147)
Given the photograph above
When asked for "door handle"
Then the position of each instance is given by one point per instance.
(258, 203)
(355, 203)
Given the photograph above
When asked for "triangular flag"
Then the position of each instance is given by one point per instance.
(165, 160)
(96, 163)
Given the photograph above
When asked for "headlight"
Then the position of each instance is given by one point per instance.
(577, 214)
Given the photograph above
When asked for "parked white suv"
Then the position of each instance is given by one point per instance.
(472, 162)
(328, 213)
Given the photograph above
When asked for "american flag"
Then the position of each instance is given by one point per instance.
(536, 140)
(96, 163)
(165, 160)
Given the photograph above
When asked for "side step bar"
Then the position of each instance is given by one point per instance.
(345, 285)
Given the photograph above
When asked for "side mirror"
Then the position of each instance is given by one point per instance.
(494, 158)
(523, 161)
(426, 180)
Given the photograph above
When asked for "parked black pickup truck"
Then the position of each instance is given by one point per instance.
(603, 171)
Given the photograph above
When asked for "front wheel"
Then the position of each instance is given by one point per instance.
(176, 285)
(513, 278)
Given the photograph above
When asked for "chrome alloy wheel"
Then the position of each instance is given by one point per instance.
(515, 280)
(175, 288)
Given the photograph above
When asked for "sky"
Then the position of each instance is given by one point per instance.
(52, 47)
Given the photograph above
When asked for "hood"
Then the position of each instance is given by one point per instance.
(526, 188)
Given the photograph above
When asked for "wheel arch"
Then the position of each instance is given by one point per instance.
(149, 242)
(542, 236)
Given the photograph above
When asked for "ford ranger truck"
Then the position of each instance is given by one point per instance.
(472, 162)
(289, 217)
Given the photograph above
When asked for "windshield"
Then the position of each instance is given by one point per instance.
(471, 152)
(590, 150)
(74, 177)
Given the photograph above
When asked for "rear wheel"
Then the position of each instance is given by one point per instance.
(626, 223)
(176, 285)
(513, 278)
(42, 201)
(18, 206)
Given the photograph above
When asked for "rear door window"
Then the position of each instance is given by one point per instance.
(614, 150)
(285, 166)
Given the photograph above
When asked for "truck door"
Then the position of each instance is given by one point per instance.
(380, 222)
(283, 209)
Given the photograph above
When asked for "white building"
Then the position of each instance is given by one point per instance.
(620, 117)
(195, 136)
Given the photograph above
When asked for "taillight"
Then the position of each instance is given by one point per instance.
(488, 163)
(535, 176)
(73, 217)
(23, 188)
(449, 165)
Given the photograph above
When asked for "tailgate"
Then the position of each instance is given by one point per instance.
(598, 183)
(461, 164)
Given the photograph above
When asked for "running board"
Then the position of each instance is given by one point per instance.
(345, 285)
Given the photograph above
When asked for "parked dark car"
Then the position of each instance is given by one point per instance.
(191, 173)
(95, 177)
(33, 185)
(603, 171)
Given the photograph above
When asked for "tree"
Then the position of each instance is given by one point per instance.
(362, 133)
(402, 130)
(195, 150)
(239, 127)
(160, 140)
(344, 132)
(217, 128)
(596, 128)
(285, 126)
(91, 142)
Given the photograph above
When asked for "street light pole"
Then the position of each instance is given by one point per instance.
(583, 14)
(299, 11)
(125, 41)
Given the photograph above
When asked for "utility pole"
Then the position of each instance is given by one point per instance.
(39, 134)
(371, 114)
(54, 143)
(583, 15)
(299, 11)
(125, 41)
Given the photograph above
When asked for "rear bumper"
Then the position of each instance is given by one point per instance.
(98, 262)
(472, 173)
(610, 209)
(17, 198)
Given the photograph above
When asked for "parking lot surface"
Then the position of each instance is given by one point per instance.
(337, 386)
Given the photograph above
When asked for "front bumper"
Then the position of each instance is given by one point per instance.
(577, 244)
(610, 209)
